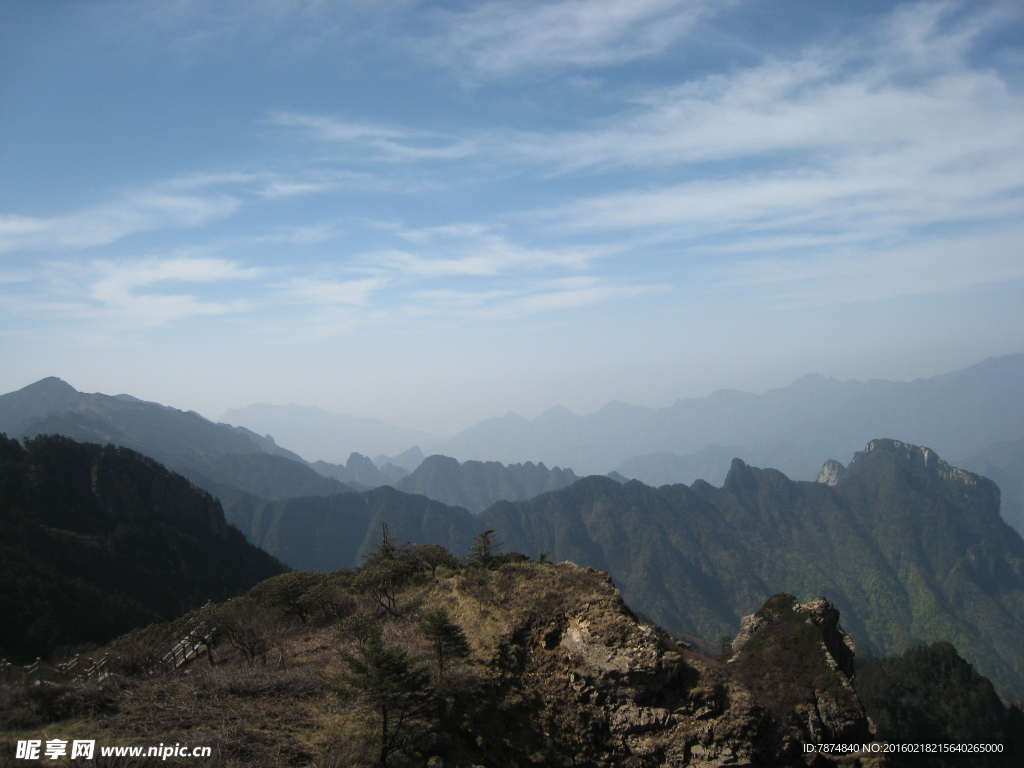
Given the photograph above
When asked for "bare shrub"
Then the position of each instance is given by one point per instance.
(249, 627)
(27, 707)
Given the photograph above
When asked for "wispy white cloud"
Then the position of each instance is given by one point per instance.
(527, 299)
(129, 290)
(908, 89)
(387, 143)
(130, 296)
(473, 250)
(476, 250)
(504, 38)
(142, 211)
(181, 202)
(862, 142)
(332, 292)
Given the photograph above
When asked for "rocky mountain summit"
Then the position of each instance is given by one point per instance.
(639, 697)
(554, 670)
(800, 663)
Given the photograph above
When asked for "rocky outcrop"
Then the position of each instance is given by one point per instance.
(614, 691)
(799, 662)
(831, 472)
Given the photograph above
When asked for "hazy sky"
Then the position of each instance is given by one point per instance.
(434, 212)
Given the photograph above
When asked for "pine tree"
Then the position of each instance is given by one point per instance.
(484, 551)
(447, 638)
(396, 694)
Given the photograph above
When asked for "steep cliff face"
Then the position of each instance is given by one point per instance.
(654, 702)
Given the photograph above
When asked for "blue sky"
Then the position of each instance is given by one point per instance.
(435, 212)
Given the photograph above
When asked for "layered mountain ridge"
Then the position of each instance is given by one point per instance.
(218, 457)
(793, 428)
(911, 548)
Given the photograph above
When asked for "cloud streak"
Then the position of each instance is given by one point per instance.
(126, 297)
(386, 143)
(401, 182)
(501, 39)
(144, 211)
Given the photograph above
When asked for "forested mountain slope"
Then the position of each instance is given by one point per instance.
(330, 532)
(907, 546)
(97, 540)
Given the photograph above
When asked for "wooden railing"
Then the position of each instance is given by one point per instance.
(40, 672)
(82, 668)
(187, 648)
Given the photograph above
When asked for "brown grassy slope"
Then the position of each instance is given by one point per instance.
(559, 670)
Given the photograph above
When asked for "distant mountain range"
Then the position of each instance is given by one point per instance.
(794, 429)
(476, 485)
(323, 436)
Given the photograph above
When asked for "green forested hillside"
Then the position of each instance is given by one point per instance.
(906, 546)
(329, 532)
(97, 540)
(929, 694)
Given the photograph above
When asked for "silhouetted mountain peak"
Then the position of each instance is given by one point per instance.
(407, 460)
(557, 414)
(813, 381)
(46, 393)
(437, 461)
(740, 478)
(51, 385)
(42, 397)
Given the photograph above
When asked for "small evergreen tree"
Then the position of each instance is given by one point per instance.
(385, 548)
(385, 572)
(483, 553)
(446, 637)
(396, 694)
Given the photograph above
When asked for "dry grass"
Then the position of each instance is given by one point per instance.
(294, 710)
